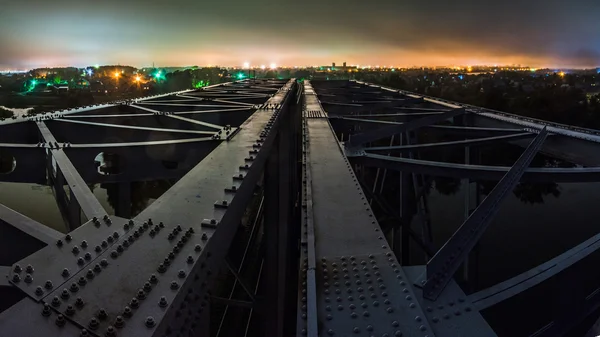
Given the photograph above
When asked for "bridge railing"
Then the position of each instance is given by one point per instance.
(497, 112)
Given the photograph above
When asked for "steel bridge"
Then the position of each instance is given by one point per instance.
(290, 215)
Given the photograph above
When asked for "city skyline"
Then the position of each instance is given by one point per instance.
(542, 34)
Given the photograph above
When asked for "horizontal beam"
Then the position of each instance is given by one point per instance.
(131, 127)
(444, 169)
(148, 143)
(466, 142)
(443, 265)
(373, 135)
(29, 226)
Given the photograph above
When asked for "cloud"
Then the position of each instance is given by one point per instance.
(306, 32)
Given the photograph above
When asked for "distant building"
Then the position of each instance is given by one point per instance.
(344, 64)
(333, 65)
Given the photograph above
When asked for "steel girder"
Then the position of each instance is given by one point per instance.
(145, 253)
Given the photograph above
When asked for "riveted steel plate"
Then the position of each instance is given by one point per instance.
(133, 273)
(25, 319)
(49, 263)
(367, 294)
(452, 314)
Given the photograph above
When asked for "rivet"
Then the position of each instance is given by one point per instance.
(110, 331)
(119, 321)
(84, 333)
(127, 311)
(102, 314)
(141, 294)
(48, 284)
(93, 324)
(174, 285)
(55, 301)
(150, 321)
(65, 294)
(46, 311)
(84, 244)
(163, 302)
(134, 303)
(79, 302)
(60, 320)
(70, 311)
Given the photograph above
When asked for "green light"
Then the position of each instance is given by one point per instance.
(96, 66)
(241, 76)
(157, 75)
(33, 83)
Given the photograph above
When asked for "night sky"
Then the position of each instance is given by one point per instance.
(553, 33)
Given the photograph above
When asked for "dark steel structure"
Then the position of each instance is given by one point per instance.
(291, 214)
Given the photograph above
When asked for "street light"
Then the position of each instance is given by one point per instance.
(273, 65)
(117, 74)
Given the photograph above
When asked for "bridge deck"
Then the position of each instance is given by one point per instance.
(360, 286)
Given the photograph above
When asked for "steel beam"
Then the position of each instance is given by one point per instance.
(441, 268)
(504, 290)
(349, 249)
(28, 226)
(90, 206)
(459, 143)
(483, 172)
(373, 135)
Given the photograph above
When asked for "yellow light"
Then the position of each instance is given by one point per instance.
(273, 65)
(117, 74)
(137, 78)
(263, 67)
(561, 74)
(246, 65)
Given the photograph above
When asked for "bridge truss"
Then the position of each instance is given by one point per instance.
(291, 215)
